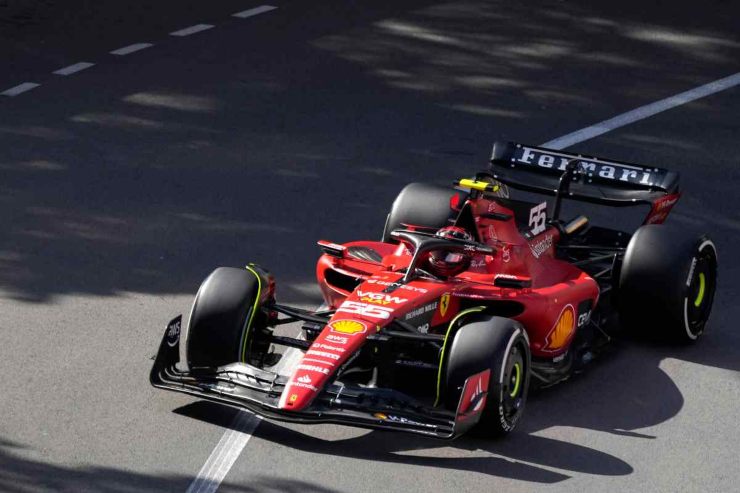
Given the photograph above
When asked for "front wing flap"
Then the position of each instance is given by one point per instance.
(259, 391)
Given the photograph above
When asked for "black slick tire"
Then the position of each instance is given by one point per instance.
(501, 345)
(667, 284)
(218, 327)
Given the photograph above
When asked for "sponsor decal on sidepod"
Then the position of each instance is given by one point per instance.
(421, 310)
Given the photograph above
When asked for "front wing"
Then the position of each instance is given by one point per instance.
(259, 391)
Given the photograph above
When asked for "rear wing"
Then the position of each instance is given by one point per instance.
(598, 180)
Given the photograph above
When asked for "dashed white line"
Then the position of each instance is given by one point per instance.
(191, 30)
(73, 69)
(20, 88)
(644, 112)
(255, 11)
(131, 48)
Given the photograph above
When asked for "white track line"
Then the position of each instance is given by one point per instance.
(234, 440)
(225, 453)
(131, 49)
(255, 11)
(192, 30)
(643, 112)
(20, 88)
(73, 69)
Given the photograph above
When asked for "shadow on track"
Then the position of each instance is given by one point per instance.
(178, 163)
(217, 158)
(21, 475)
(617, 394)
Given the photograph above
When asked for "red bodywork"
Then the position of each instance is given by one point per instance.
(557, 298)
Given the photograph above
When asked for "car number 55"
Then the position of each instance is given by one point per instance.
(538, 218)
(366, 310)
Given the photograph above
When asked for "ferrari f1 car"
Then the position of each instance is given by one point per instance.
(471, 297)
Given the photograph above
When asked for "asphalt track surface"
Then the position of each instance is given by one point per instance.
(123, 184)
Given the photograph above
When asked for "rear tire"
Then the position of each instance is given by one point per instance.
(667, 283)
(420, 204)
(218, 329)
(501, 345)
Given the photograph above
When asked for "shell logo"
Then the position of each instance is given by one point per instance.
(350, 327)
(563, 329)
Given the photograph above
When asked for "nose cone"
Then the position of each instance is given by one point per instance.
(336, 343)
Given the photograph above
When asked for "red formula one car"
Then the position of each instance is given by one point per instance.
(471, 297)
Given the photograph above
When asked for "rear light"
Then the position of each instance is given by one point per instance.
(455, 202)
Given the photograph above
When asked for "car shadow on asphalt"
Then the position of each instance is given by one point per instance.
(622, 394)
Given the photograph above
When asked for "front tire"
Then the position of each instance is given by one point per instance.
(667, 283)
(501, 345)
(222, 319)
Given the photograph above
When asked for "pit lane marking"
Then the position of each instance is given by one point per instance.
(127, 50)
(192, 30)
(643, 112)
(73, 69)
(19, 89)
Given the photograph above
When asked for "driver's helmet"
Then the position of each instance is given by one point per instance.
(447, 263)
